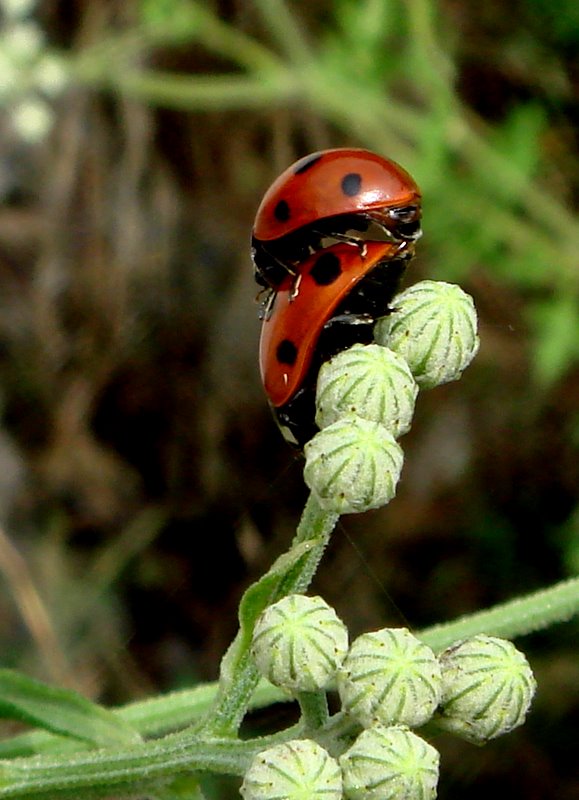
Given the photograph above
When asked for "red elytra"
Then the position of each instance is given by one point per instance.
(331, 183)
(299, 311)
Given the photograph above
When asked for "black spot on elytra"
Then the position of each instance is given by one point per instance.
(282, 211)
(326, 269)
(286, 352)
(306, 163)
(351, 184)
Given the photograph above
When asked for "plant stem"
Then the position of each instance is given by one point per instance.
(314, 708)
(515, 618)
(291, 572)
(285, 29)
(126, 771)
(154, 717)
(208, 92)
(314, 522)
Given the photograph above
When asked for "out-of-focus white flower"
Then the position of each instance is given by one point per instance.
(22, 41)
(32, 118)
(29, 74)
(16, 9)
(50, 76)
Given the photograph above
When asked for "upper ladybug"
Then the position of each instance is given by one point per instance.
(346, 194)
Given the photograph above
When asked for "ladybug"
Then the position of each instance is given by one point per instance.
(332, 304)
(342, 195)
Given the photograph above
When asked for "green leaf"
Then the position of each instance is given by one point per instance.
(291, 572)
(259, 595)
(61, 711)
(153, 717)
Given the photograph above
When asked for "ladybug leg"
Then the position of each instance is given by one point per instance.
(344, 330)
(296, 418)
(295, 288)
(349, 320)
(354, 241)
(268, 269)
(266, 300)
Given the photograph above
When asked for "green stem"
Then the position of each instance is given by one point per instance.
(314, 708)
(200, 25)
(229, 42)
(127, 771)
(315, 523)
(207, 92)
(292, 572)
(282, 24)
(152, 718)
(515, 618)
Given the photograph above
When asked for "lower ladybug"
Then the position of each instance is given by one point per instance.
(342, 195)
(332, 304)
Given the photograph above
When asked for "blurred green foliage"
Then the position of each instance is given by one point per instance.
(153, 485)
(384, 72)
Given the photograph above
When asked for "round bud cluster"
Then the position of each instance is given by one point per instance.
(389, 682)
(297, 770)
(365, 395)
(390, 677)
(434, 328)
(487, 688)
(299, 643)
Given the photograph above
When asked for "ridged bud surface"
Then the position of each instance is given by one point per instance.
(299, 643)
(297, 770)
(353, 465)
(390, 677)
(487, 688)
(370, 381)
(434, 328)
(390, 764)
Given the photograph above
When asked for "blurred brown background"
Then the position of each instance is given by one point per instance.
(143, 484)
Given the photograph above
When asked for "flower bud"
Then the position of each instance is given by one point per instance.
(487, 688)
(390, 677)
(296, 770)
(299, 643)
(390, 764)
(434, 328)
(370, 381)
(353, 465)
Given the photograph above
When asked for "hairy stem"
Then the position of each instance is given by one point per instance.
(515, 618)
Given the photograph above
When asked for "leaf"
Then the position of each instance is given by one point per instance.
(61, 711)
(271, 587)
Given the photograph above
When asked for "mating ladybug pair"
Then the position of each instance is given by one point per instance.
(331, 240)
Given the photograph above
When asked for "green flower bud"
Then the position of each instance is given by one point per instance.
(390, 677)
(299, 643)
(434, 329)
(370, 381)
(353, 465)
(390, 764)
(487, 688)
(297, 770)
